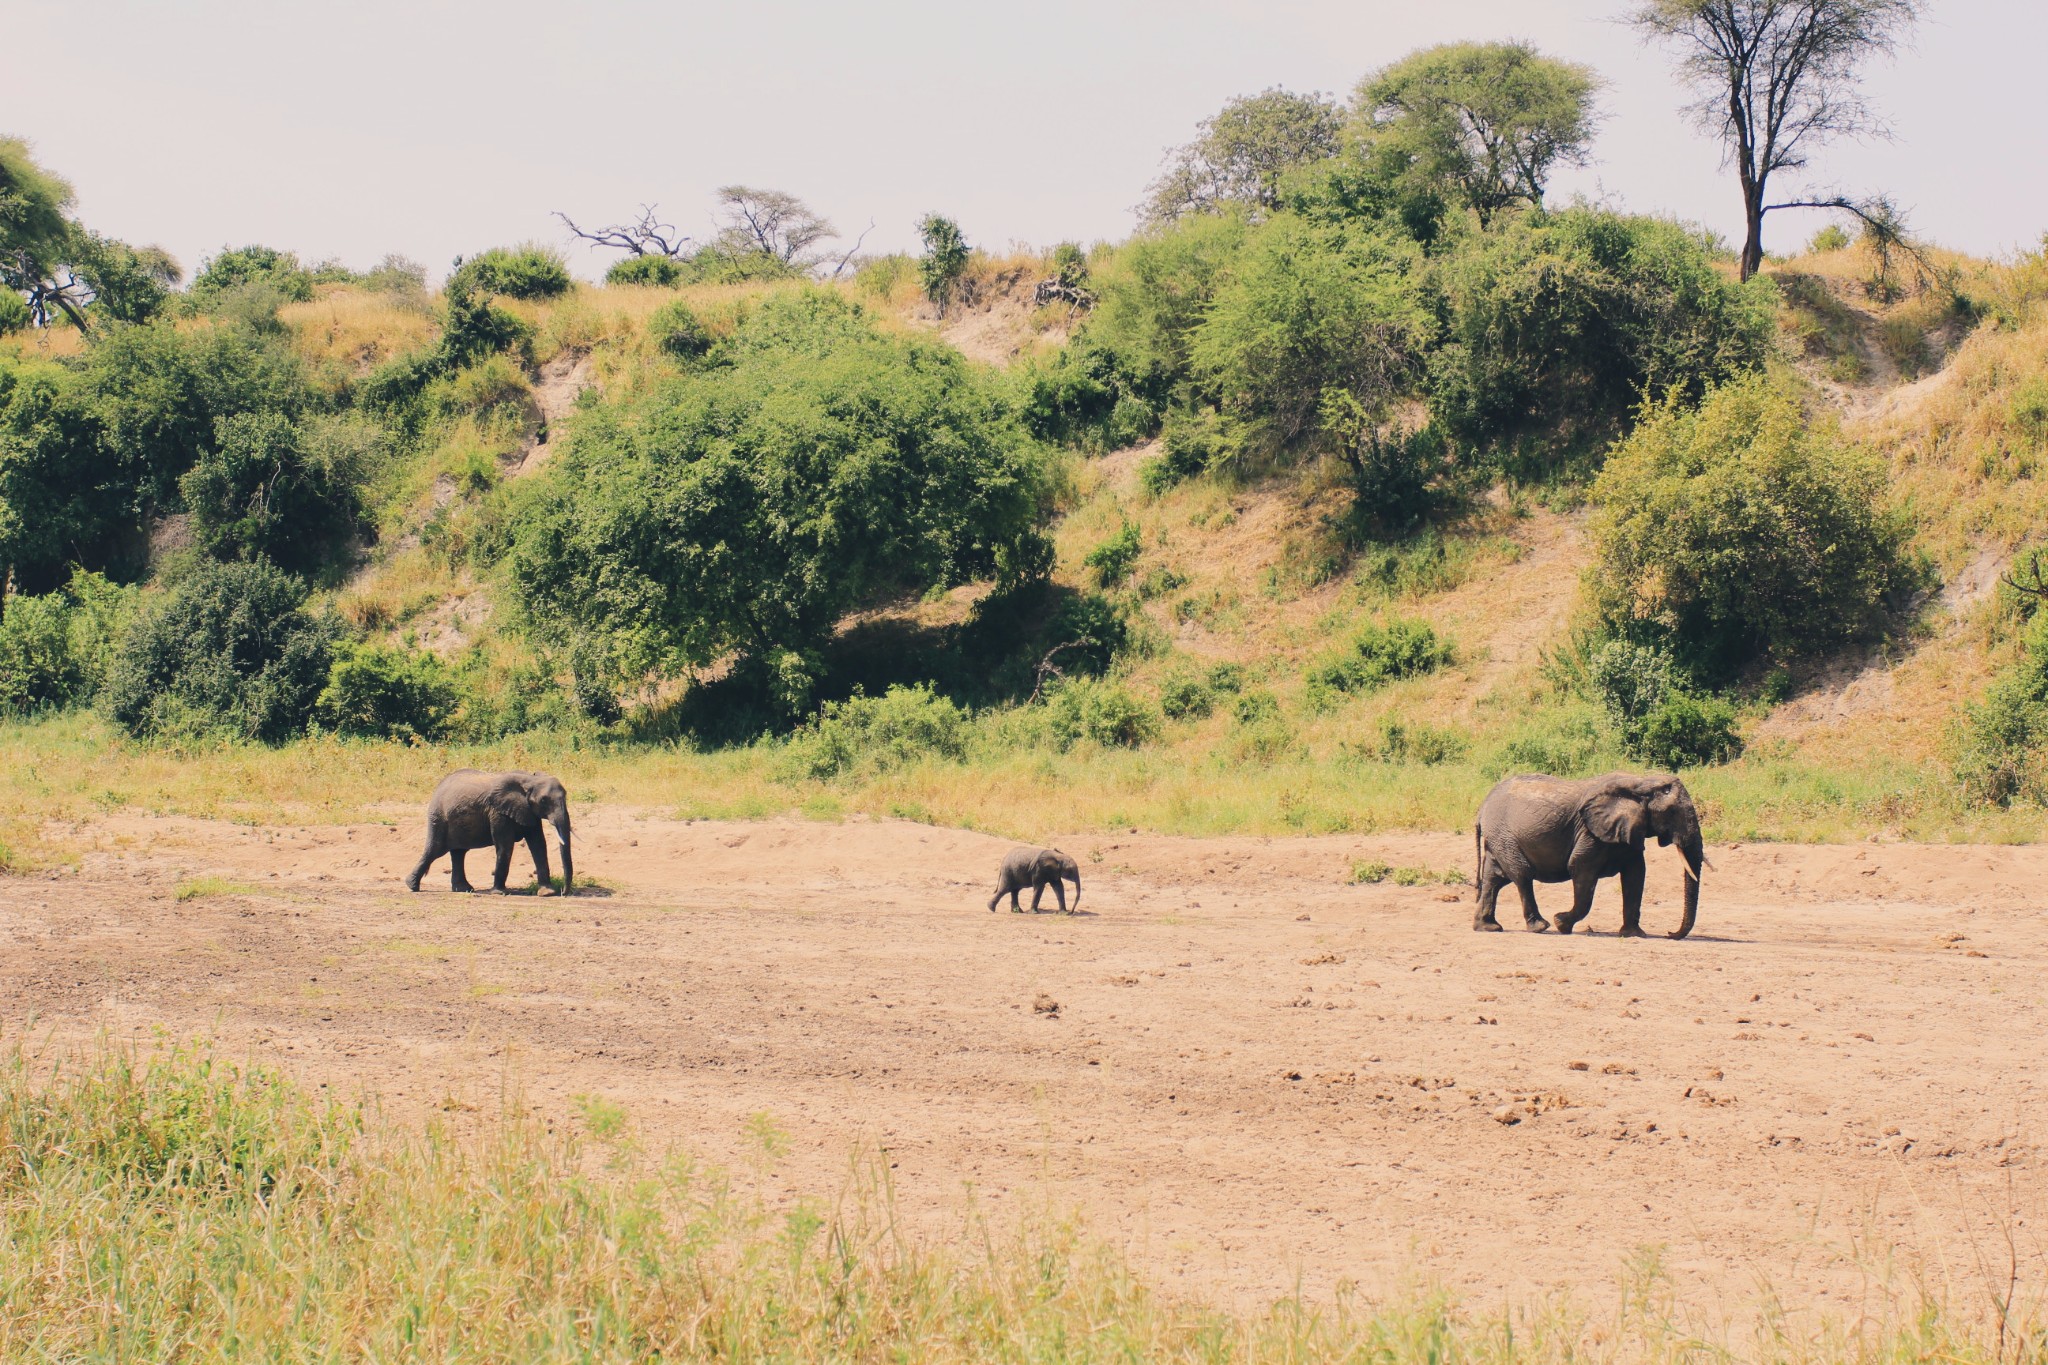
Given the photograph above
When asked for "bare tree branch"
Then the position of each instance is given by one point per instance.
(646, 236)
(852, 251)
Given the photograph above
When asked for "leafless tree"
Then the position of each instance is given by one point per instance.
(772, 223)
(1776, 78)
(646, 236)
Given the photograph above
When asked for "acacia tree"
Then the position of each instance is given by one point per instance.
(1242, 152)
(60, 266)
(1488, 119)
(1776, 78)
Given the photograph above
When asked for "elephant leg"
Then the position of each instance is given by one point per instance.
(1037, 895)
(1532, 918)
(1584, 882)
(1632, 872)
(537, 845)
(435, 848)
(996, 899)
(1059, 893)
(1490, 882)
(501, 866)
(458, 877)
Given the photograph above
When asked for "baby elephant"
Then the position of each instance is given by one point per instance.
(494, 810)
(1036, 868)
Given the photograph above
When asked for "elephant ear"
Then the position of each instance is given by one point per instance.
(1616, 818)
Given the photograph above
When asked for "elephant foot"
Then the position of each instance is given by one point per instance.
(1633, 931)
(463, 890)
(412, 884)
(1488, 926)
(544, 890)
(1539, 925)
(1565, 926)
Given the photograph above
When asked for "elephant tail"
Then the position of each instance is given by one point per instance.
(1478, 861)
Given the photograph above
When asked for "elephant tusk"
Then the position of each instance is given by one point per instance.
(1691, 870)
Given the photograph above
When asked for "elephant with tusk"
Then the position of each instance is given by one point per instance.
(1548, 829)
(472, 809)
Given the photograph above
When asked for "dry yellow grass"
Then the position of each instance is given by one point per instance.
(357, 328)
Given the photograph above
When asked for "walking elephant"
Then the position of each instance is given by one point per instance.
(1547, 829)
(471, 809)
(1037, 868)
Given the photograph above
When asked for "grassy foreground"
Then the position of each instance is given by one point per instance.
(174, 1207)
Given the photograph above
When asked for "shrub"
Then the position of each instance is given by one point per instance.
(37, 667)
(1113, 558)
(1308, 312)
(1381, 654)
(2001, 742)
(14, 313)
(1185, 698)
(658, 272)
(1106, 713)
(376, 692)
(1190, 444)
(1631, 681)
(251, 267)
(1830, 238)
(1558, 324)
(1564, 747)
(265, 490)
(744, 510)
(677, 331)
(229, 649)
(880, 734)
(1748, 528)
(2030, 410)
(528, 271)
(1424, 744)
(1686, 730)
(1227, 677)
(1370, 873)
(944, 260)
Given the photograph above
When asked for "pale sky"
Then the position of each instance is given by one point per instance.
(437, 127)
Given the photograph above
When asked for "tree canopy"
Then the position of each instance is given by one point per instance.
(1488, 119)
(1243, 152)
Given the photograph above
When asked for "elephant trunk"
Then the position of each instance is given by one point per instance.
(1690, 849)
(568, 860)
(1077, 888)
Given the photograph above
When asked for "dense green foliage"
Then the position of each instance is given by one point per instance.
(260, 271)
(1556, 328)
(1658, 719)
(875, 734)
(56, 648)
(380, 693)
(1488, 120)
(1381, 654)
(519, 272)
(230, 649)
(1243, 153)
(269, 487)
(818, 465)
(1743, 530)
(676, 329)
(944, 260)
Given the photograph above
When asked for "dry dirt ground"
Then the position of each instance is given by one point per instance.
(1257, 1074)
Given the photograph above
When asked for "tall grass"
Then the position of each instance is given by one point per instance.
(174, 1207)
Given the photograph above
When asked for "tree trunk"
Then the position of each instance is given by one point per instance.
(1753, 215)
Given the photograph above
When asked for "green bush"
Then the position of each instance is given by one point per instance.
(1255, 707)
(879, 734)
(659, 272)
(1308, 312)
(745, 509)
(528, 271)
(1560, 323)
(55, 648)
(1190, 444)
(1830, 238)
(14, 313)
(1113, 558)
(1746, 529)
(376, 692)
(1381, 654)
(1564, 746)
(677, 331)
(1630, 681)
(1227, 677)
(1105, 713)
(1686, 731)
(2030, 410)
(249, 268)
(944, 260)
(1185, 698)
(228, 649)
(2001, 742)
(1401, 742)
(268, 489)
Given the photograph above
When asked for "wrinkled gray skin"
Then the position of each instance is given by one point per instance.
(1548, 829)
(495, 810)
(1036, 868)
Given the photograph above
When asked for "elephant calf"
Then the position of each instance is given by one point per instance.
(495, 810)
(1036, 868)
(1547, 829)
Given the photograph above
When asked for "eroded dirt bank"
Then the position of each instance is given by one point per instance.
(1255, 1070)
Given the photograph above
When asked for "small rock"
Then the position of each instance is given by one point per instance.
(1301, 919)
(1047, 1006)
(1507, 1115)
(1581, 1066)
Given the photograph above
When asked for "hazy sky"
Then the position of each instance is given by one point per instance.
(432, 127)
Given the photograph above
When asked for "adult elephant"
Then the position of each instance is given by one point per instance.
(471, 809)
(1548, 829)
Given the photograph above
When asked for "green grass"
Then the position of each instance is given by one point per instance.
(199, 888)
(174, 1207)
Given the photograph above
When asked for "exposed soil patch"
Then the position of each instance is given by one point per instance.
(1250, 1069)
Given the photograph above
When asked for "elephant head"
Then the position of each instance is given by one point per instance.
(1054, 864)
(1628, 810)
(551, 804)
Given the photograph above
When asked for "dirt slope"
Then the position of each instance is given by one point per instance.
(1255, 1071)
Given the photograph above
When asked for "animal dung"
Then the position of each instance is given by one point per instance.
(1046, 1006)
